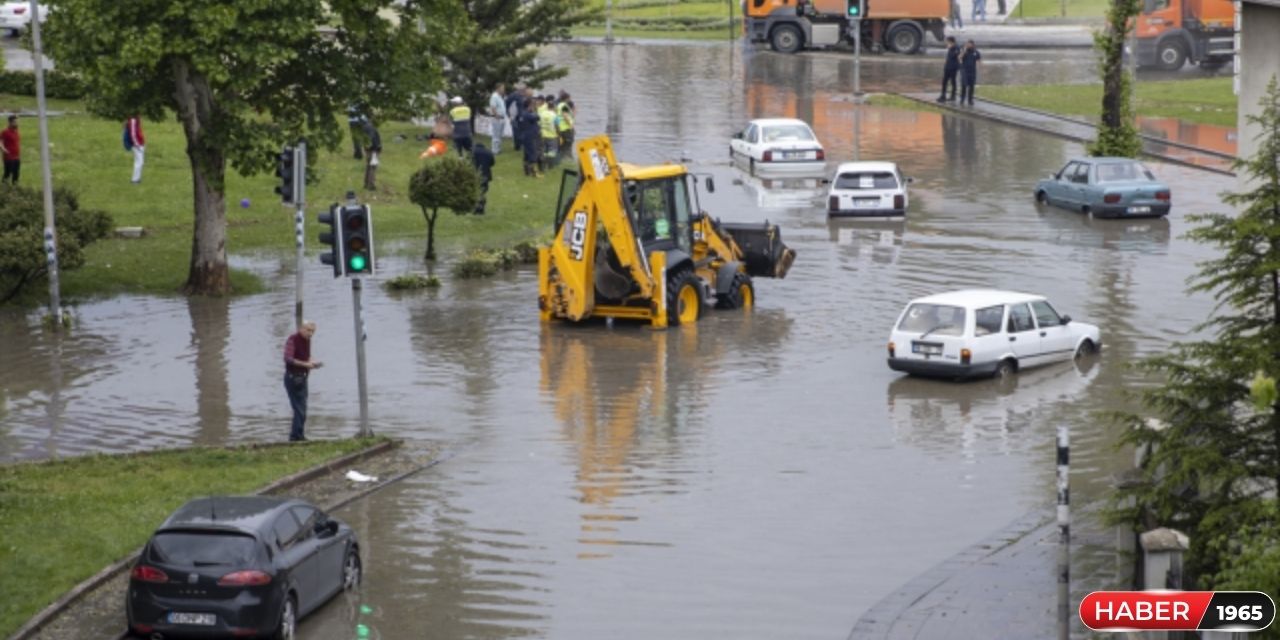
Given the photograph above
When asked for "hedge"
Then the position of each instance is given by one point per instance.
(56, 85)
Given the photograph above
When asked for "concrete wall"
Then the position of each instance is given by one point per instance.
(1259, 61)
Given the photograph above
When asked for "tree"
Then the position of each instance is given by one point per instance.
(243, 77)
(1216, 448)
(499, 43)
(1117, 135)
(446, 182)
(22, 259)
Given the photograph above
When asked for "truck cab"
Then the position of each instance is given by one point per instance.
(1170, 33)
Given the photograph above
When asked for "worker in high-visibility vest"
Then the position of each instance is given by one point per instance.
(460, 114)
(547, 127)
(564, 126)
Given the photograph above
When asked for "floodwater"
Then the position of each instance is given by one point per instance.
(756, 476)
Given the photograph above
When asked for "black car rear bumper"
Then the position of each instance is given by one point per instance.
(939, 369)
(1122, 211)
(148, 613)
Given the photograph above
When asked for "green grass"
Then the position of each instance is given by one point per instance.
(721, 33)
(898, 102)
(1207, 101)
(1053, 9)
(87, 156)
(667, 20)
(63, 521)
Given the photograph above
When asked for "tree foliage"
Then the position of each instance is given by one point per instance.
(243, 77)
(445, 182)
(1116, 136)
(1217, 447)
(22, 258)
(499, 42)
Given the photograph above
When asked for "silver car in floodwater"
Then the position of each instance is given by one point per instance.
(1106, 188)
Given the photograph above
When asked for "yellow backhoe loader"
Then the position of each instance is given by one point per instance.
(632, 242)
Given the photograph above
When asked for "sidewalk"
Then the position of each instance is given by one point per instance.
(1001, 35)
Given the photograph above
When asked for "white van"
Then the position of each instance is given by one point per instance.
(984, 332)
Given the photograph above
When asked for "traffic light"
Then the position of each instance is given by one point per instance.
(331, 238)
(857, 9)
(357, 240)
(287, 171)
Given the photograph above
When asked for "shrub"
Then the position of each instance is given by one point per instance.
(412, 281)
(56, 85)
(22, 258)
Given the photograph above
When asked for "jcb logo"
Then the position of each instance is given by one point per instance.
(578, 236)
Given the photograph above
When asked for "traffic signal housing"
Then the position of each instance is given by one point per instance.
(332, 237)
(357, 240)
(287, 171)
(856, 9)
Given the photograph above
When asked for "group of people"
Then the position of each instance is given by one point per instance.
(961, 62)
(11, 148)
(978, 13)
(542, 127)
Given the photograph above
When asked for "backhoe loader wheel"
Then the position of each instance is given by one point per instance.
(684, 298)
(741, 294)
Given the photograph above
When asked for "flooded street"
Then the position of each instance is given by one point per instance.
(756, 476)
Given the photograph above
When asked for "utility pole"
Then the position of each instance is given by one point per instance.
(300, 202)
(50, 228)
(608, 20)
(856, 9)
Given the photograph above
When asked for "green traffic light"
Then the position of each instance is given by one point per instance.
(357, 262)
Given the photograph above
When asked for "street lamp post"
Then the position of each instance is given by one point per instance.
(50, 229)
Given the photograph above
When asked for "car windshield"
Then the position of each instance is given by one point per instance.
(867, 180)
(933, 319)
(787, 133)
(1123, 172)
(191, 548)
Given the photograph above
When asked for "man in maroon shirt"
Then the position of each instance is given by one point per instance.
(10, 142)
(297, 366)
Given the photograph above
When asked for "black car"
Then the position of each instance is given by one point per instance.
(239, 567)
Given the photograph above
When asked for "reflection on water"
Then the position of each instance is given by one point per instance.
(759, 475)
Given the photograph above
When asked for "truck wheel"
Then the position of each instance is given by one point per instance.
(1172, 54)
(904, 37)
(684, 298)
(786, 38)
(741, 293)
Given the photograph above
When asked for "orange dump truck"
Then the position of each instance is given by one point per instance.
(897, 25)
(1170, 33)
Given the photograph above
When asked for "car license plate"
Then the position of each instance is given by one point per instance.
(1139, 209)
(793, 155)
(203, 619)
(926, 348)
(866, 202)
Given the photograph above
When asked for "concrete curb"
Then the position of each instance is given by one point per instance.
(47, 614)
(878, 620)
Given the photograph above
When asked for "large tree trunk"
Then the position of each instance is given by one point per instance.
(1113, 80)
(208, 274)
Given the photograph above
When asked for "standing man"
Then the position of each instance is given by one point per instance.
(957, 22)
(526, 127)
(969, 58)
(460, 115)
(355, 123)
(950, 70)
(547, 129)
(517, 103)
(374, 140)
(135, 140)
(297, 366)
(498, 111)
(10, 142)
(483, 161)
(564, 125)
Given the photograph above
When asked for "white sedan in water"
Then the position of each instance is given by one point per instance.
(16, 16)
(779, 144)
(868, 190)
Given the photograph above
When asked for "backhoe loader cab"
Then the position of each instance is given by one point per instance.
(632, 243)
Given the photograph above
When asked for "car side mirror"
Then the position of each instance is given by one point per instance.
(326, 528)
(711, 185)
(1066, 319)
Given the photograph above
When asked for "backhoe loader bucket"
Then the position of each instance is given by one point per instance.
(763, 251)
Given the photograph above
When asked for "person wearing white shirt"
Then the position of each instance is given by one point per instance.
(498, 111)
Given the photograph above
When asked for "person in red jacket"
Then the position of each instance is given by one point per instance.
(135, 142)
(10, 142)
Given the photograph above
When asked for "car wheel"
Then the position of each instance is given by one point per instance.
(1042, 197)
(1005, 369)
(1086, 210)
(288, 628)
(751, 165)
(1087, 348)
(351, 571)
(1172, 54)
(786, 38)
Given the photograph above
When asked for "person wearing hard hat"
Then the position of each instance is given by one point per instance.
(460, 114)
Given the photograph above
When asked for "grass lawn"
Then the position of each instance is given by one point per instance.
(646, 19)
(898, 102)
(1053, 9)
(88, 156)
(63, 521)
(1206, 100)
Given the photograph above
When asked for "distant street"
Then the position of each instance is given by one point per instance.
(16, 58)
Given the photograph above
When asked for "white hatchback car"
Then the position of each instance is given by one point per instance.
(984, 332)
(15, 16)
(781, 144)
(868, 189)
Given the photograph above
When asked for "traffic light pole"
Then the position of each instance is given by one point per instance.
(857, 88)
(357, 288)
(300, 201)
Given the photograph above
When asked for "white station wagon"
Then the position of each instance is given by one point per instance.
(868, 190)
(779, 144)
(984, 332)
